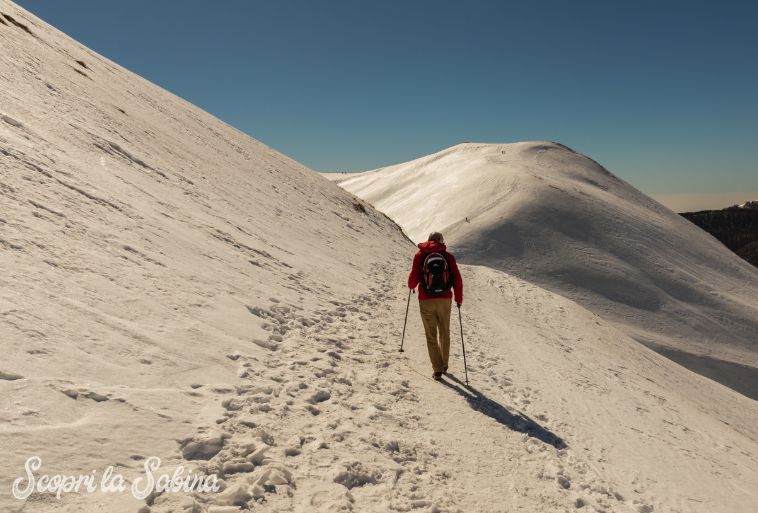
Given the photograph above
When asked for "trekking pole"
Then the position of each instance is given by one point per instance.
(460, 322)
(406, 319)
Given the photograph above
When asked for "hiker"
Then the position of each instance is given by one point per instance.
(435, 272)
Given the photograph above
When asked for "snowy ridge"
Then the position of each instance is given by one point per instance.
(559, 219)
(174, 288)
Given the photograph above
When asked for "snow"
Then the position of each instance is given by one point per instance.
(172, 288)
(142, 242)
(558, 219)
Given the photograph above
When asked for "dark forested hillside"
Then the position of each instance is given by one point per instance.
(736, 227)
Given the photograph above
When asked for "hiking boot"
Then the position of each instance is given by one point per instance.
(437, 376)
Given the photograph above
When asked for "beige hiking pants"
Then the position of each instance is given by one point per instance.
(435, 314)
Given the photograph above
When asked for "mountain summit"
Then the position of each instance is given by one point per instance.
(554, 217)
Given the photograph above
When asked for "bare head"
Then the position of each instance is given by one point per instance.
(436, 237)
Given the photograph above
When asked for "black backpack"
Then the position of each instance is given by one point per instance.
(436, 276)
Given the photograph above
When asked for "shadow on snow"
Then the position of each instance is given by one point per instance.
(516, 422)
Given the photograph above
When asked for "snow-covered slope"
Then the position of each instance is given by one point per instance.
(141, 242)
(556, 218)
(174, 288)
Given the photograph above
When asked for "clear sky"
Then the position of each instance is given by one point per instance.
(663, 93)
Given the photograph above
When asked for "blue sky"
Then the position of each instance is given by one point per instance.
(662, 93)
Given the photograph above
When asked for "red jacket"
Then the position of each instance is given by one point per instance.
(414, 278)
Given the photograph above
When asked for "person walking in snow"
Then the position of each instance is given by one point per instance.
(435, 272)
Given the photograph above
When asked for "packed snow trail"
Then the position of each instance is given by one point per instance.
(336, 419)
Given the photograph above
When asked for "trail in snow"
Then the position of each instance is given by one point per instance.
(336, 419)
